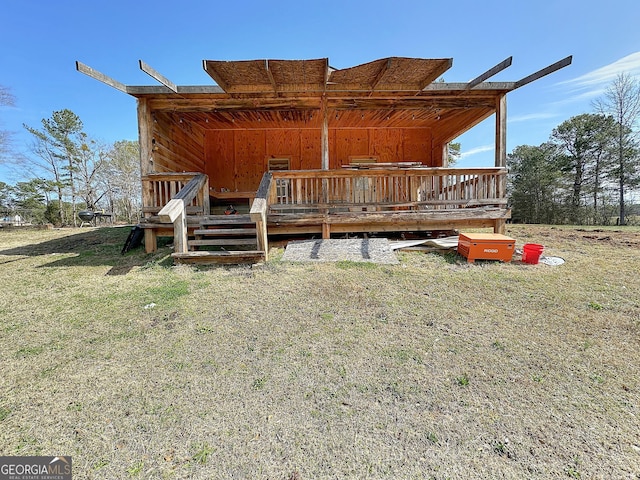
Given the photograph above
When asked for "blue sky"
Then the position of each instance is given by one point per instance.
(41, 40)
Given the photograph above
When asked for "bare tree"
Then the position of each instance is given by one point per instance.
(121, 180)
(622, 102)
(6, 100)
(91, 161)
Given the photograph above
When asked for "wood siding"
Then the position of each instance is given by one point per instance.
(176, 146)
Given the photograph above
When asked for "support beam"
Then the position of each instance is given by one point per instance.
(489, 73)
(145, 139)
(101, 77)
(501, 132)
(158, 76)
(324, 135)
(545, 71)
(271, 79)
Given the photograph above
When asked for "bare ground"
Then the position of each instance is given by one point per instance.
(432, 368)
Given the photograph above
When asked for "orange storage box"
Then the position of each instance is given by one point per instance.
(486, 246)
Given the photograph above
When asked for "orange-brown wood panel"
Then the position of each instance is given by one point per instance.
(219, 155)
(437, 154)
(332, 149)
(283, 143)
(250, 159)
(386, 144)
(417, 146)
(349, 142)
(310, 152)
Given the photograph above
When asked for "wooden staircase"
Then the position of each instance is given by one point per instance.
(232, 238)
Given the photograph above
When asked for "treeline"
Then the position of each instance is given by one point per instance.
(588, 170)
(71, 172)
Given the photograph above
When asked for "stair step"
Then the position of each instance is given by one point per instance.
(225, 231)
(204, 257)
(223, 241)
(226, 220)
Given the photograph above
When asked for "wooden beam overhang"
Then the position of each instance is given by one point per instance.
(544, 72)
(101, 77)
(489, 73)
(319, 80)
(159, 77)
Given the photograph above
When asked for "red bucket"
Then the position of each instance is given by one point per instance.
(531, 253)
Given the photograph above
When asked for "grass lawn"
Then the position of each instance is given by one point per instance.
(431, 369)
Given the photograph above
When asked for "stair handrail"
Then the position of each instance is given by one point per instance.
(258, 212)
(175, 211)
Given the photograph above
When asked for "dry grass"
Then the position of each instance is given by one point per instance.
(429, 369)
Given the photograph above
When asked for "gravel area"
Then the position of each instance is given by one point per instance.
(375, 250)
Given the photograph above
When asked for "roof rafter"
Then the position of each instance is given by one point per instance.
(489, 73)
(543, 72)
(158, 76)
(383, 69)
(101, 77)
(270, 75)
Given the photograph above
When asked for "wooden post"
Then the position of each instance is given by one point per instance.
(326, 231)
(324, 136)
(180, 233)
(501, 132)
(204, 193)
(501, 142)
(150, 240)
(145, 135)
(259, 206)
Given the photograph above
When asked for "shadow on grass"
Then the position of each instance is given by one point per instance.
(92, 248)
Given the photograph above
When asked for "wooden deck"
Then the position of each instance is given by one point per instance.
(324, 202)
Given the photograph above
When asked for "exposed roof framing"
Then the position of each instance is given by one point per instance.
(393, 76)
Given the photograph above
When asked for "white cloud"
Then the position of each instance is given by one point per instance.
(532, 116)
(593, 84)
(476, 150)
(598, 79)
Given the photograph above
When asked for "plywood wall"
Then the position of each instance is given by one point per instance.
(236, 159)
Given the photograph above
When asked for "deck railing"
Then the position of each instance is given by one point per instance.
(176, 207)
(415, 188)
(159, 188)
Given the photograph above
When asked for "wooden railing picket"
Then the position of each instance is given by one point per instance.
(418, 188)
